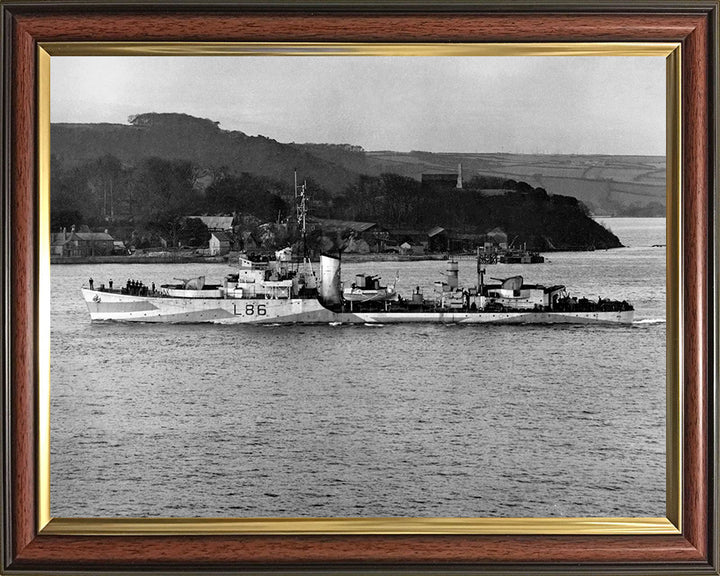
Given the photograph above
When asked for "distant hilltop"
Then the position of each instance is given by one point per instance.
(607, 185)
(198, 140)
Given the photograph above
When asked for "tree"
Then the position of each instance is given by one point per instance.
(104, 177)
(167, 225)
(69, 192)
(193, 232)
(401, 199)
(158, 186)
(363, 199)
(482, 182)
(245, 193)
(60, 219)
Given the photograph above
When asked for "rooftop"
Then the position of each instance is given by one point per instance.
(331, 224)
(221, 236)
(216, 222)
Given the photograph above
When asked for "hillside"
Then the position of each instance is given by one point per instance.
(201, 141)
(608, 185)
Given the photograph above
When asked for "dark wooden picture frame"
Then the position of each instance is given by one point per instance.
(694, 24)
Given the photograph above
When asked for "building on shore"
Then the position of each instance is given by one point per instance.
(408, 241)
(409, 249)
(360, 237)
(496, 239)
(445, 240)
(74, 243)
(219, 243)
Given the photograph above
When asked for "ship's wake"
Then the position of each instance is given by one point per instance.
(650, 321)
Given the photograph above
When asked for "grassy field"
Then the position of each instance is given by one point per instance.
(608, 185)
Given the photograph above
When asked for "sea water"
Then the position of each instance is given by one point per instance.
(396, 420)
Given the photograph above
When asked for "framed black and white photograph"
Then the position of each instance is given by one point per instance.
(373, 329)
(336, 290)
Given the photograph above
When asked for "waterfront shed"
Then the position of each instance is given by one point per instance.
(398, 236)
(356, 246)
(496, 238)
(362, 234)
(412, 249)
(219, 243)
(438, 239)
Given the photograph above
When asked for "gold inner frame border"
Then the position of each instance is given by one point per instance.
(671, 524)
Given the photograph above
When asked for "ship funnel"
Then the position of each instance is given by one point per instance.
(452, 275)
(330, 294)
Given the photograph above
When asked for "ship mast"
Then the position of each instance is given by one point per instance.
(301, 211)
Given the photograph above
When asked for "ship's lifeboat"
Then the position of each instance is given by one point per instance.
(384, 293)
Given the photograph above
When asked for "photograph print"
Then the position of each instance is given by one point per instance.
(358, 286)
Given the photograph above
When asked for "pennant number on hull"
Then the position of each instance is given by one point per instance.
(250, 309)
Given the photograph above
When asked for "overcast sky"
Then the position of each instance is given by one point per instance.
(570, 105)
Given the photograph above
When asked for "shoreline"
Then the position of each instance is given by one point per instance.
(137, 259)
(233, 257)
